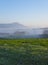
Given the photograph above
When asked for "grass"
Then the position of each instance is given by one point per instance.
(24, 51)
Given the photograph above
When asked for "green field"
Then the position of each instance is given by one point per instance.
(24, 52)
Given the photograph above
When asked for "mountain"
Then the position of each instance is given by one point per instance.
(19, 30)
(11, 25)
(11, 28)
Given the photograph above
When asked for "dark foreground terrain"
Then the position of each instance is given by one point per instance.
(24, 52)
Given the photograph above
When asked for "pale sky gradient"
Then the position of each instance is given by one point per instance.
(33, 13)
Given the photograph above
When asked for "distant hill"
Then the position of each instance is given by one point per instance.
(11, 25)
(11, 28)
(16, 30)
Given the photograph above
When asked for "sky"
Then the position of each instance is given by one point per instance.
(32, 13)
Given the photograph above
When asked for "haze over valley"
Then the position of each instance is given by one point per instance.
(18, 30)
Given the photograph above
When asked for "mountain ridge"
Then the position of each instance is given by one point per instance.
(19, 29)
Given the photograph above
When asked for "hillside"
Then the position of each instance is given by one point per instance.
(24, 51)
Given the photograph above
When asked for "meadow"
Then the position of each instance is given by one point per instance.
(24, 51)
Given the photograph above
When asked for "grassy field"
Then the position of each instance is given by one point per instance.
(24, 52)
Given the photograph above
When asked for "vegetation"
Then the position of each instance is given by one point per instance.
(45, 34)
(24, 52)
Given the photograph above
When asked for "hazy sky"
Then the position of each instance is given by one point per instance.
(28, 12)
